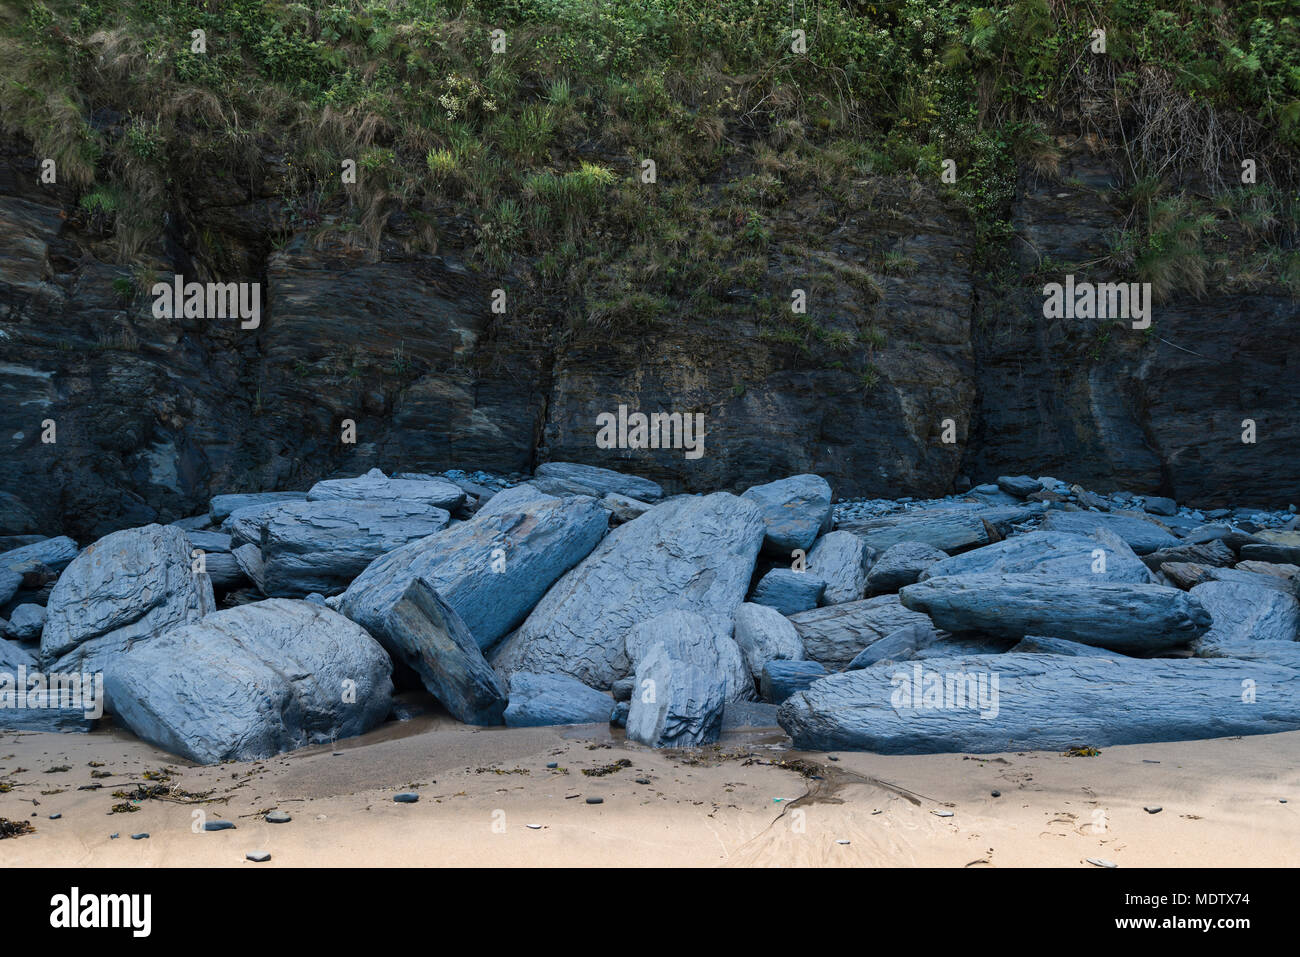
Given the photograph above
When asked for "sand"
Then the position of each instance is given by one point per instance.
(751, 801)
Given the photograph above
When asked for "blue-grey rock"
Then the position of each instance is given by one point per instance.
(16, 564)
(222, 569)
(783, 678)
(1039, 702)
(278, 817)
(513, 499)
(1270, 552)
(900, 645)
(748, 714)
(693, 553)
(1129, 618)
(835, 634)
(948, 529)
(571, 478)
(1242, 611)
(406, 797)
(1021, 486)
(249, 559)
(703, 642)
(679, 706)
(26, 622)
(763, 634)
(375, 486)
(623, 509)
(322, 546)
(1158, 505)
(492, 569)
(253, 681)
(425, 633)
(1212, 554)
(258, 857)
(537, 700)
(841, 559)
(618, 714)
(900, 565)
(14, 655)
(795, 511)
(1042, 645)
(1275, 652)
(221, 507)
(1143, 535)
(1058, 555)
(1242, 575)
(218, 825)
(788, 591)
(622, 689)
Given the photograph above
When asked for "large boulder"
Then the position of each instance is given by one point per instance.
(321, 546)
(763, 634)
(1123, 617)
(427, 635)
(376, 486)
(840, 559)
(835, 634)
(513, 499)
(900, 565)
(491, 569)
(693, 553)
(1102, 556)
(571, 478)
(1018, 702)
(1143, 535)
(795, 510)
(780, 679)
(1246, 611)
(253, 681)
(700, 641)
(788, 591)
(538, 700)
(675, 704)
(129, 586)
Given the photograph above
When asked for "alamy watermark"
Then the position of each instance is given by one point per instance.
(923, 690)
(36, 690)
(1103, 300)
(658, 430)
(210, 300)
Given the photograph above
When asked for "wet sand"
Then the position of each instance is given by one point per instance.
(748, 802)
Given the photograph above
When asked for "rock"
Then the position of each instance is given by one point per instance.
(1021, 486)
(1287, 573)
(1057, 555)
(685, 703)
(595, 800)
(622, 689)
(788, 591)
(1277, 554)
(252, 681)
(783, 678)
(795, 511)
(693, 553)
(1213, 554)
(748, 714)
(1152, 808)
(1243, 611)
(840, 559)
(323, 545)
(26, 622)
(1129, 618)
(949, 529)
(623, 509)
(618, 714)
(1042, 702)
(278, 817)
(900, 645)
(1039, 645)
(764, 634)
(258, 857)
(537, 700)
(1142, 535)
(1241, 576)
(514, 499)
(1185, 575)
(426, 634)
(703, 642)
(218, 825)
(406, 797)
(1274, 652)
(491, 569)
(900, 565)
(129, 586)
(221, 507)
(1234, 538)
(375, 486)
(17, 565)
(835, 634)
(574, 479)
(12, 656)
(1157, 505)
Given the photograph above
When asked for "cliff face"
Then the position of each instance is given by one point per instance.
(152, 416)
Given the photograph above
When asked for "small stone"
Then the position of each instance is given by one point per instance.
(534, 827)
(996, 794)
(831, 757)
(278, 817)
(942, 813)
(114, 836)
(219, 826)
(595, 800)
(841, 842)
(1153, 808)
(642, 780)
(1281, 800)
(406, 797)
(55, 817)
(553, 764)
(139, 837)
(258, 857)
(1102, 862)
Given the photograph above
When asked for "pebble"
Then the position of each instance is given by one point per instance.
(1153, 809)
(642, 780)
(278, 817)
(841, 842)
(553, 764)
(595, 800)
(219, 826)
(55, 817)
(114, 836)
(942, 813)
(534, 827)
(406, 797)
(1102, 862)
(258, 857)
(997, 794)
(140, 837)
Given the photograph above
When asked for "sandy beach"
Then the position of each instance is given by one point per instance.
(487, 798)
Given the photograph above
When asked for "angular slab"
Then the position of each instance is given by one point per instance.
(17, 564)
(1021, 486)
(678, 705)
(1039, 645)
(491, 569)
(538, 700)
(1142, 536)
(513, 499)
(951, 530)
(788, 591)
(1245, 611)
(703, 642)
(834, 635)
(693, 553)
(575, 479)
(780, 679)
(1060, 555)
(764, 634)
(1042, 702)
(902, 564)
(841, 559)
(376, 486)
(1213, 554)
(795, 510)
(424, 633)
(1129, 618)
(322, 546)
(253, 681)
(1277, 554)
(220, 507)
(916, 642)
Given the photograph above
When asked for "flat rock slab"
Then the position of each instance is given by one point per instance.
(253, 681)
(840, 559)
(1142, 536)
(17, 565)
(1278, 554)
(835, 634)
(1041, 645)
(788, 591)
(424, 633)
(540, 700)
(1061, 555)
(795, 510)
(900, 565)
(947, 529)
(1213, 554)
(376, 486)
(1129, 618)
(783, 678)
(1039, 702)
(575, 479)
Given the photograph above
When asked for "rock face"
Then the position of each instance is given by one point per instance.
(1040, 702)
(374, 486)
(1243, 611)
(688, 553)
(537, 700)
(253, 681)
(795, 510)
(840, 559)
(131, 585)
(900, 565)
(764, 634)
(491, 569)
(424, 633)
(788, 591)
(1142, 536)
(574, 479)
(320, 546)
(675, 704)
(1058, 555)
(1123, 617)
(835, 634)
(781, 679)
(698, 641)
